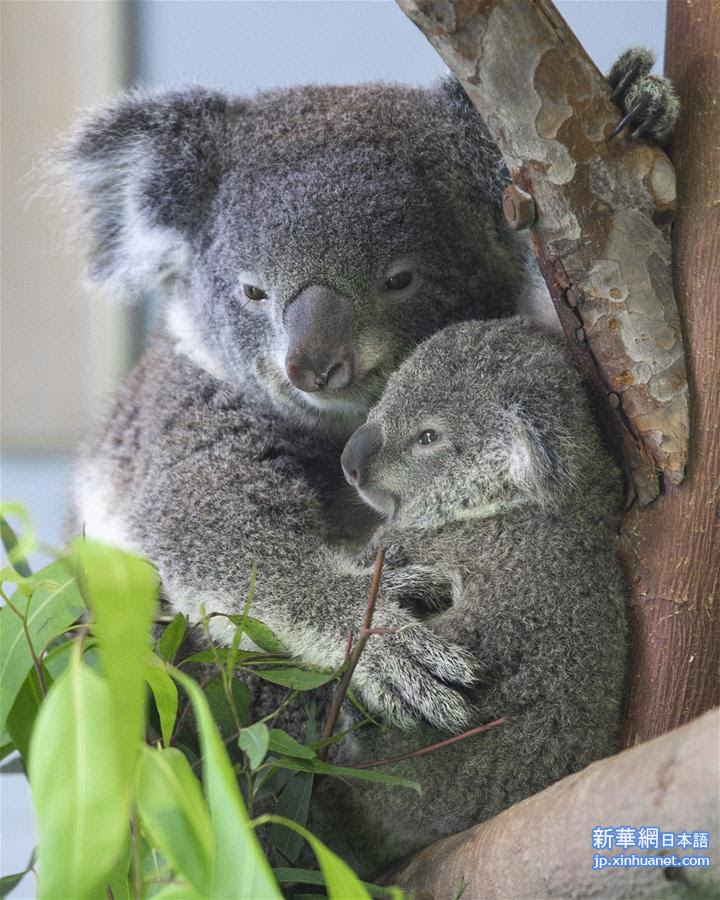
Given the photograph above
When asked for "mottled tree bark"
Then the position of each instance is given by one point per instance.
(542, 846)
(672, 547)
(602, 233)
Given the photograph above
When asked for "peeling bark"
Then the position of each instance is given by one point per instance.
(602, 234)
(542, 846)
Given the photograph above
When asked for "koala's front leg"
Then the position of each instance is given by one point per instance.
(207, 518)
(424, 590)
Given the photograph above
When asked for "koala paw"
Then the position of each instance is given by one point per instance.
(649, 102)
(422, 589)
(411, 675)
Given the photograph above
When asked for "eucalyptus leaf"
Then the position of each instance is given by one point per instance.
(294, 803)
(172, 637)
(287, 875)
(340, 880)
(297, 679)
(323, 768)
(254, 741)
(281, 742)
(121, 590)
(165, 693)
(80, 806)
(14, 550)
(240, 868)
(54, 604)
(173, 812)
(22, 716)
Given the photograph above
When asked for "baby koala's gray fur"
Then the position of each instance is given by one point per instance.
(514, 508)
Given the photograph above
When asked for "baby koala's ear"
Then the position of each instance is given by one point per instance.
(146, 169)
(537, 443)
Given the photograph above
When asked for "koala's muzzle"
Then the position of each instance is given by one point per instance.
(321, 349)
(357, 459)
(358, 451)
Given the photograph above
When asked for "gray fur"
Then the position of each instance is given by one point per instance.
(515, 508)
(211, 460)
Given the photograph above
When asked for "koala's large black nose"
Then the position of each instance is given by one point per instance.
(308, 374)
(321, 345)
(358, 450)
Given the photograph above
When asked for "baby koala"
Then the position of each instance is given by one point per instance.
(484, 457)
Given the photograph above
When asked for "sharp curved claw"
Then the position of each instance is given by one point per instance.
(627, 119)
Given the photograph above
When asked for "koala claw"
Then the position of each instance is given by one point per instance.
(410, 675)
(649, 101)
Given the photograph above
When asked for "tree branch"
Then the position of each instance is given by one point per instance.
(542, 846)
(602, 232)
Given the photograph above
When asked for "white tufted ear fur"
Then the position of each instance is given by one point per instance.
(145, 170)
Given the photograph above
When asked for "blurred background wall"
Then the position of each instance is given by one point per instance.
(63, 349)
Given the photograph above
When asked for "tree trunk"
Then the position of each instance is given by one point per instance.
(672, 548)
(542, 847)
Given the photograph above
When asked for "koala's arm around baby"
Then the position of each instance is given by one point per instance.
(243, 493)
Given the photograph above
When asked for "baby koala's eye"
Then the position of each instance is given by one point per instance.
(254, 293)
(427, 437)
(399, 281)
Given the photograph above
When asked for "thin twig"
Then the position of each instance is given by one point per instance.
(344, 684)
(429, 749)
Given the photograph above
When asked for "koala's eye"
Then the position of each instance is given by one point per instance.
(427, 437)
(399, 281)
(254, 293)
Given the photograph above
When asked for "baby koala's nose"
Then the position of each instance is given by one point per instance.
(358, 450)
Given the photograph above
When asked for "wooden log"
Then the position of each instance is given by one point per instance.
(542, 847)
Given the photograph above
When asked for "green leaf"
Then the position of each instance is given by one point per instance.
(254, 741)
(120, 876)
(297, 679)
(323, 768)
(58, 659)
(14, 550)
(18, 549)
(294, 803)
(22, 716)
(240, 868)
(312, 876)
(80, 806)
(10, 882)
(220, 708)
(165, 693)
(223, 655)
(260, 634)
(6, 749)
(172, 638)
(282, 743)
(121, 591)
(174, 814)
(54, 604)
(340, 880)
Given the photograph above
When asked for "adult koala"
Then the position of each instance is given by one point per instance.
(305, 241)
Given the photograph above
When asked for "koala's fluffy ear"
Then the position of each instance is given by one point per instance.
(539, 446)
(474, 141)
(146, 170)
